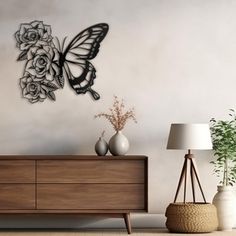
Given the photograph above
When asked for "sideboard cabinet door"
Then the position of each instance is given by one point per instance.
(91, 196)
(17, 196)
(91, 171)
(92, 184)
(17, 171)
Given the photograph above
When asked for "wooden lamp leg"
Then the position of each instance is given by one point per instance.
(194, 176)
(185, 179)
(181, 179)
(127, 222)
(198, 181)
(192, 180)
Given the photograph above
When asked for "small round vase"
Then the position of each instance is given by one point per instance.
(118, 144)
(224, 200)
(101, 147)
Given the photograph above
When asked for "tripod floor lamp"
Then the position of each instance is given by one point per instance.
(190, 137)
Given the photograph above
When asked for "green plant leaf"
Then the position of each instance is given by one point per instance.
(223, 134)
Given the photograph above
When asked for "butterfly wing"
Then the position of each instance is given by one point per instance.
(81, 80)
(75, 58)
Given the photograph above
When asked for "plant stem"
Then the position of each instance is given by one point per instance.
(224, 184)
(226, 171)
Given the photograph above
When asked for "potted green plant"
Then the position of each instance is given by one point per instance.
(223, 134)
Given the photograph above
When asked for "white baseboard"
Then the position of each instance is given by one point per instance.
(77, 222)
(137, 221)
(80, 222)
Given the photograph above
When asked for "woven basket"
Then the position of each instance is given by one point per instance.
(191, 217)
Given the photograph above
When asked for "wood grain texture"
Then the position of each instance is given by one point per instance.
(90, 171)
(71, 157)
(91, 196)
(107, 212)
(17, 196)
(20, 171)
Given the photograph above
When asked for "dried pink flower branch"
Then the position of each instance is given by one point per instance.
(118, 117)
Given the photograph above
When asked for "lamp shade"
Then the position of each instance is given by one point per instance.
(189, 136)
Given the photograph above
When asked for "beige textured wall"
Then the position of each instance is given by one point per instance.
(173, 60)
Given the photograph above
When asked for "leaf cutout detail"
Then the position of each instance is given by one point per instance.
(22, 56)
(51, 95)
(60, 81)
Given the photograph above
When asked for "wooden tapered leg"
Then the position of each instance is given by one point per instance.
(185, 179)
(181, 179)
(192, 180)
(198, 180)
(127, 222)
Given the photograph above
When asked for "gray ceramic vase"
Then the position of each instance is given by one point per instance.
(101, 147)
(118, 144)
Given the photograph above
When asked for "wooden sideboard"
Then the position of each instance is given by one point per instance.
(71, 184)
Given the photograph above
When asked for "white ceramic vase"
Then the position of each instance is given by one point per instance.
(101, 147)
(225, 200)
(118, 144)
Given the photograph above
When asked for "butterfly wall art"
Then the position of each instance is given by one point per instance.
(48, 63)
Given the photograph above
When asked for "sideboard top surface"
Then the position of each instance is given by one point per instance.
(71, 157)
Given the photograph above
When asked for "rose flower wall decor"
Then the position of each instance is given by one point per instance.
(48, 62)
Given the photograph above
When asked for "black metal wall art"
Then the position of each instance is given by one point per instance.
(48, 62)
